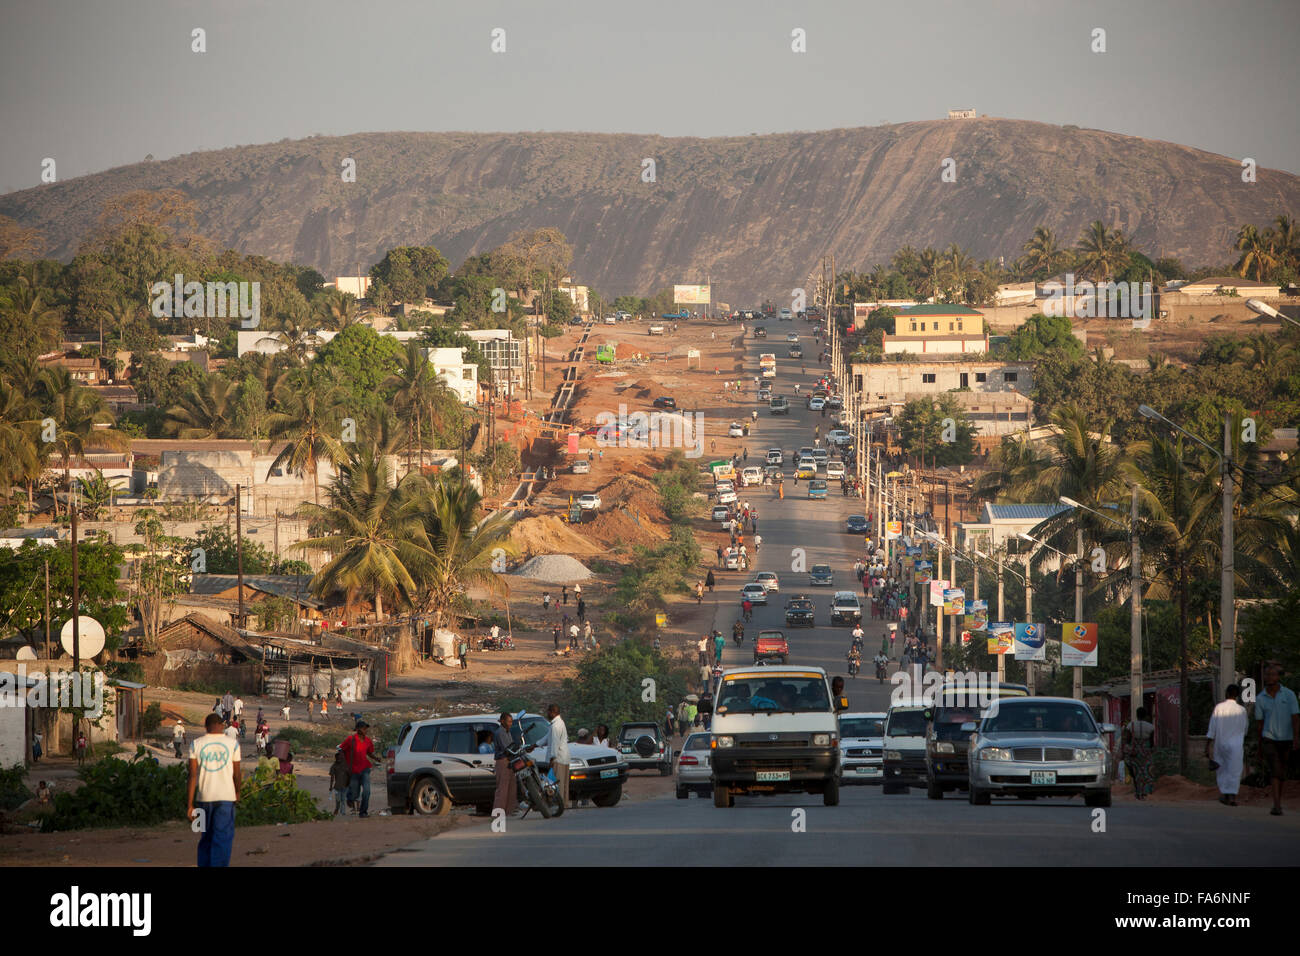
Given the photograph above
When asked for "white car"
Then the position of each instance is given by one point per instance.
(735, 430)
(588, 502)
(792, 337)
(835, 469)
(838, 436)
(775, 457)
(655, 330)
(769, 580)
(724, 484)
(727, 497)
(862, 748)
(754, 593)
(753, 475)
(816, 403)
(611, 320)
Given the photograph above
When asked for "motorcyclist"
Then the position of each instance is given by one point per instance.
(857, 637)
(754, 415)
(855, 662)
(758, 543)
(738, 632)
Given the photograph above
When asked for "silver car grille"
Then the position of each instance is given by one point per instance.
(1041, 754)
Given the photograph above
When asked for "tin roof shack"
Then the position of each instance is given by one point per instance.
(217, 596)
(198, 650)
(293, 667)
(39, 708)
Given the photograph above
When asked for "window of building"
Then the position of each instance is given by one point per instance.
(965, 380)
(914, 327)
(951, 326)
(927, 378)
(981, 377)
(1010, 376)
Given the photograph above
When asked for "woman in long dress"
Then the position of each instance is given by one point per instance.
(1139, 744)
(1227, 733)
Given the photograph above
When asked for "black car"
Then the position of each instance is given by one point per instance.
(821, 575)
(856, 524)
(760, 333)
(799, 612)
(665, 401)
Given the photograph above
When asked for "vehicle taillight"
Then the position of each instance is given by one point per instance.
(392, 760)
(685, 761)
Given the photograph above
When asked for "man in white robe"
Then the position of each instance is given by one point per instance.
(1223, 744)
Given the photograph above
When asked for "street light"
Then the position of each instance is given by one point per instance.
(1263, 308)
(1135, 619)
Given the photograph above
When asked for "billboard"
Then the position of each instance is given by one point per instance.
(1031, 642)
(1002, 636)
(893, 529)
(691, 294)
(977, 615)
(954, 601)
(936, 592)
(1078, 644)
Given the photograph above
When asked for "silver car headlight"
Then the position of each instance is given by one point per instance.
(943, 747)
(893, 755)
(995, 753)
(577, 762)
(1093, 754)
(724, 741)
(821, 740)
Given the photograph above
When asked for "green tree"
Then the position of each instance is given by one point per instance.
(208, 411)
(1041, 333)
(364, 359)
(937, 430)
(310, 400)
(407, 274)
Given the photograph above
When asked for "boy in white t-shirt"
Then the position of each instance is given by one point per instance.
(214, 791)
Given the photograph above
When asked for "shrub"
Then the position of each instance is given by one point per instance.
(608, 686)
(152, 717)
(269, 797)
(13, 792)
(116, 792)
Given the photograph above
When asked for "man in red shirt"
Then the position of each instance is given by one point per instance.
(359, 752)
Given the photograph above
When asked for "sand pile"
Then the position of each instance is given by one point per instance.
(549, 535)
(621, 527)
(635, 493)
(554, 569)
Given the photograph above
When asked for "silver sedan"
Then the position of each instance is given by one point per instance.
(1040, 747)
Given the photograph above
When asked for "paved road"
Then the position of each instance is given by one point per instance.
(868, 827)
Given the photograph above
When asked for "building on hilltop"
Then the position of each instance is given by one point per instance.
(937, 328)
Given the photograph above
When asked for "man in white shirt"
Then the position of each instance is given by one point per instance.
(214, 791)
(557, 752)
(239, 708)
(1227, 733)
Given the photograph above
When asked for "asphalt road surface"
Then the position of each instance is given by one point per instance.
(867, 827)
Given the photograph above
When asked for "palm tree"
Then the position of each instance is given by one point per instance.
(78, 414)
(18, 453)
(1102, 252)
(206, 411)
(310, 399)
(1258, 257)
(930, 268)
(25, 305)
(336, 310)
(1287, 241)
(1043, 256)
(415, 383)
(120, 311)
(957, 269)
(298, 342)
(374, 533)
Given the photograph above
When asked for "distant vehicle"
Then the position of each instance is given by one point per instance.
(727, 497)
(731, 559)
(588, 502)
(767, 364)
(821, 575)
(792, 338)
(664, 401)
(576, 320)
(623, 316)
(846, 608)
(786, 315)
(754, 593)
(807, 468)
(605, 354)
(838, 436)
(760, 333)
(857, 524)
(580, 466)
(779, 406)
(765, 393)
(817, 488)
(816, 403)
(821, 456)
(834, 403)
(862, 748)
(774, 457)
(834, 469)
(721, 513)
(611, 320)
(693, 770)
(771, 646)
(643, 747)
(724, 484)
(905, 732)
(682, 315)
(805, 452)
(735, 430)
(655, 330)
(1039, 746)
(796, 352)
(800, 612)
(769, 580)
(773, 472)
(753, 475)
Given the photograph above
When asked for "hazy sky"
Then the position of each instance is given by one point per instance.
(101, 84)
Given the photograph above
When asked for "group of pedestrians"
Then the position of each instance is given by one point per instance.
(567, 633)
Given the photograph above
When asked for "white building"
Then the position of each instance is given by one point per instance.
(460, 376)
(1002, 525)
(359, 286)
(504, 352)
(578, 293)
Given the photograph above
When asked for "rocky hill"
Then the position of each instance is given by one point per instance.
(755, 213)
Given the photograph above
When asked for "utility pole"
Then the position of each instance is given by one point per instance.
(1002, 658)
(1078, 610)
(1227, 586)
(1030, 669)
(76, 593)
(49, 653)
(239, 558)
(939, 611)
(1135, 625)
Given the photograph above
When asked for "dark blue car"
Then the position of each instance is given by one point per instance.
(857, 524)
(821, 574)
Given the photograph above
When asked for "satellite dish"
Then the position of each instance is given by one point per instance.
(25, 653)
(91, 637)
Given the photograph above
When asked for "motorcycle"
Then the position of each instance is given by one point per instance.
(541, 794)
(855, 664)
(502, 643)
(880, 673)
(737, 635)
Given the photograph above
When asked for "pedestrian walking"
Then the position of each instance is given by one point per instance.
(359, 750)
(709, 579)
(463, 651)
(557, 752)
(178, 739)
(1279, 726)
(582, 609)
(699, 592)
(703, 648)
(683, 718)
(564, 594)
(546, 600)
(573, 636)
(1138, 745)
(555, 636)
(719, 643)
(213, 791)
(505, 798)
(340, 777)
(227, 707)
(1224, 744)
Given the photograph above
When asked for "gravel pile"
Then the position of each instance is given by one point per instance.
(554, 569)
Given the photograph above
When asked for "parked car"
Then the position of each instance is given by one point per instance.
(580, 466)
(731, 559)
(644, 747)
(435, 765)
(800, 612)
(821, 575)
(774, 457)
(775, 731)
(817, 489)
(857, 524)
(611, 320)
(835, 403)
(771, 646)
(589, 502)
(720, 513)
(754, 593)
(846, 608)
(693, 770)
(862, 748)
(665, 401)
(655, 330)
(1038, 747)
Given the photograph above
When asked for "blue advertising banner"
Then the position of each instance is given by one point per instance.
(1031, 642)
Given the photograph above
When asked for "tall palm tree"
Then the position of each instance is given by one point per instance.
(118, 311)
(374, 533)
(25, 305)
(310, 399)
(930, 270)
(1043, 255)
(297, 341)
(415, 382)
(1102, 252)
(18, 454)
(1287, 241)
(207, 410)
(78, 415)
(1258, 257)
(336, 310)
(956, 268)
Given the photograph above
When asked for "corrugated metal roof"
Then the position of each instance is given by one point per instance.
(1025, 512)
(939, 309)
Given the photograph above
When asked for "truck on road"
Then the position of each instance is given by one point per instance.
(767, 363)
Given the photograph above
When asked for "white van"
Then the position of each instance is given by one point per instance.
(751, 476)
(775, 730)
